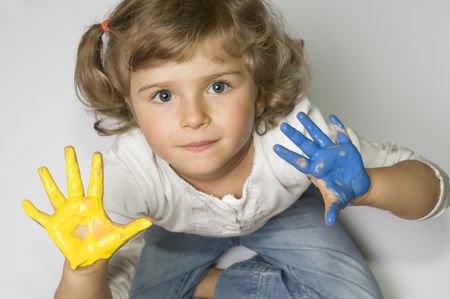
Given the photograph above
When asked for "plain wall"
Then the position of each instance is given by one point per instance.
(381, 66)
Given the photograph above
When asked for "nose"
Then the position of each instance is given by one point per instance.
(194, 113)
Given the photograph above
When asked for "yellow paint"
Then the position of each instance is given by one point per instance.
(79, 226)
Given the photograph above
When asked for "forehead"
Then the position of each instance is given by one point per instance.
(207, 57)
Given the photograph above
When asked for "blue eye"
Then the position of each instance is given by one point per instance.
(163, 96)
(218, 87)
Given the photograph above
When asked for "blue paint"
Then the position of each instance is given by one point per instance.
(333, 118)
(338, 165)
(332, 214)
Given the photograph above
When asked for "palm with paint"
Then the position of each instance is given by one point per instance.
(335, 168)
(80, 227)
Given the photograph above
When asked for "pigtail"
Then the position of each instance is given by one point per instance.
(95, 87)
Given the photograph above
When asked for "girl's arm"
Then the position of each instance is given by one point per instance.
(409, 189)
(390, 178)
(84, 282)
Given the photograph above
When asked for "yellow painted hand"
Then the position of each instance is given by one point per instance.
(80, 227)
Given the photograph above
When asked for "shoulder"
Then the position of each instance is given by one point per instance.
(130, 172)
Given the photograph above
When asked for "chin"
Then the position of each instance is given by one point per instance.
(199, 171)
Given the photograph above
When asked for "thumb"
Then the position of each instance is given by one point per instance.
(340, 130)
(34, 213)
(331, 212)
(330, 200)
(137, 226)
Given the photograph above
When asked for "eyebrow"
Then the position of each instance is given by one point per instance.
(203, 78)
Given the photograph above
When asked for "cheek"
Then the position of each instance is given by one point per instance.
(159, 140)
(240, 120)
(153, 134)
(155, 129)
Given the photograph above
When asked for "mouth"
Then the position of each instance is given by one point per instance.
(199, 146)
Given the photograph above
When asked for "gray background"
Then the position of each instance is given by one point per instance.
(381, 66)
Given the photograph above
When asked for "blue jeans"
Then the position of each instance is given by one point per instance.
(298, 256)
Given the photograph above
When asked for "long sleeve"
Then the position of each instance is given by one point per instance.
(374, 154)
(377, 154)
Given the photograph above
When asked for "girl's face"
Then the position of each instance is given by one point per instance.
(197, 115)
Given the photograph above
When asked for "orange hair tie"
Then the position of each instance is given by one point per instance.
(105, 25)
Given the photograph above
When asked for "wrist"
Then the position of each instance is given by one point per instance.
(408, 189)
(367, 198)
(96, 269)
(84, 282)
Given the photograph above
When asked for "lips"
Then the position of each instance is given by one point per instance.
(199, 146)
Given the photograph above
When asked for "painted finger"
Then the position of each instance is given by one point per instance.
(335, 120)
(332, 213)
(343, 138)
(96, 181)
(304, 143)
(135, 227)
(74, 184)
(330, 200)
(339, 127)
(316, 133)
(56, 197)
(35, 214)
(298, 161)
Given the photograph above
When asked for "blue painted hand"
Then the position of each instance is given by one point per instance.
(335, 168)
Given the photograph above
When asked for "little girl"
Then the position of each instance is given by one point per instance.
(205, 97)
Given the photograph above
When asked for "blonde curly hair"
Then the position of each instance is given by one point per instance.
(142, 31)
